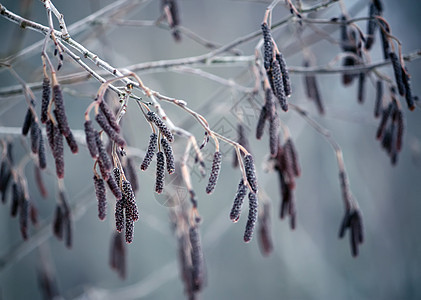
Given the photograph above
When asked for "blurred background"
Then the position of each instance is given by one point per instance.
(307, 263)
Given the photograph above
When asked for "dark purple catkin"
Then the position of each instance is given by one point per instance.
(5, 176)
(105, 162)
(361, 87)
(129, 232)
(100, 196)
(150, 151)
(59, 111)
(130, 201)
(216, 167)
(71, 141)
(42, 160)
(160, 165)
(168, 155)
(49, 129)
(112, 134)
(115, 189)
(238, 201)
(385, 39)
(152, 117)
(58, 152)
(407, 84)
(119, 214)
(274, 134)
(353, 221)
(46, 91)
(109, 115)
(371, 25)
(250, 172)
(261, 122)
(379, 98)
(196, 259)
(264, 234)
(289, 146)
(397, 69)
(312, 90)
(118, 255)
(35, 134)
(33, 214)
(90, 134)
(58, 223)
(23, 217)
(27, 122)
(285, 74)
(385, 117)
(67, 220)
(40, 182)
(278, 85)
(267, 46)
(17, 196)
(252, 217)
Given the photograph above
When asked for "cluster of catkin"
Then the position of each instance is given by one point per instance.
(11, 179)
(247, 184)
(164, 154)
(190, 252)
(287, 166)
(276, 68)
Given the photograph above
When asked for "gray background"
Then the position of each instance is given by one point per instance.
(308, 263)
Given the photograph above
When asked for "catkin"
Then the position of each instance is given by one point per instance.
(129, 230)
(278, 85)
(46, 91)
(115, 189)
(23, 217)
(71, 141)
(27, 122)
(112, 134)
(35, 133)
(408, 91)
(17, 195)
(274, 134)
(58, 152)
(59, 111)
(265, 239)
(118, 255)
(261, 122)
(379, 98)
(196, 259)
(353, 221)
(49, 129)
(100, 196)
(252, 217)
(130, 201)
(58, 223)
(285, 75)
(385, 117)
(119, 214)
(103, 158)
(168, 155)
(216, 167)
(385, 39)
(289, 146)
(397, 69)
(267, 46)
(42, 160)
(150, 151)
(109, 115)
(250, 172)
(152, 117)
(361, 87)
(374, 11)
(90, 134)
(160, 165)
(399, 129)
(238, 201)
